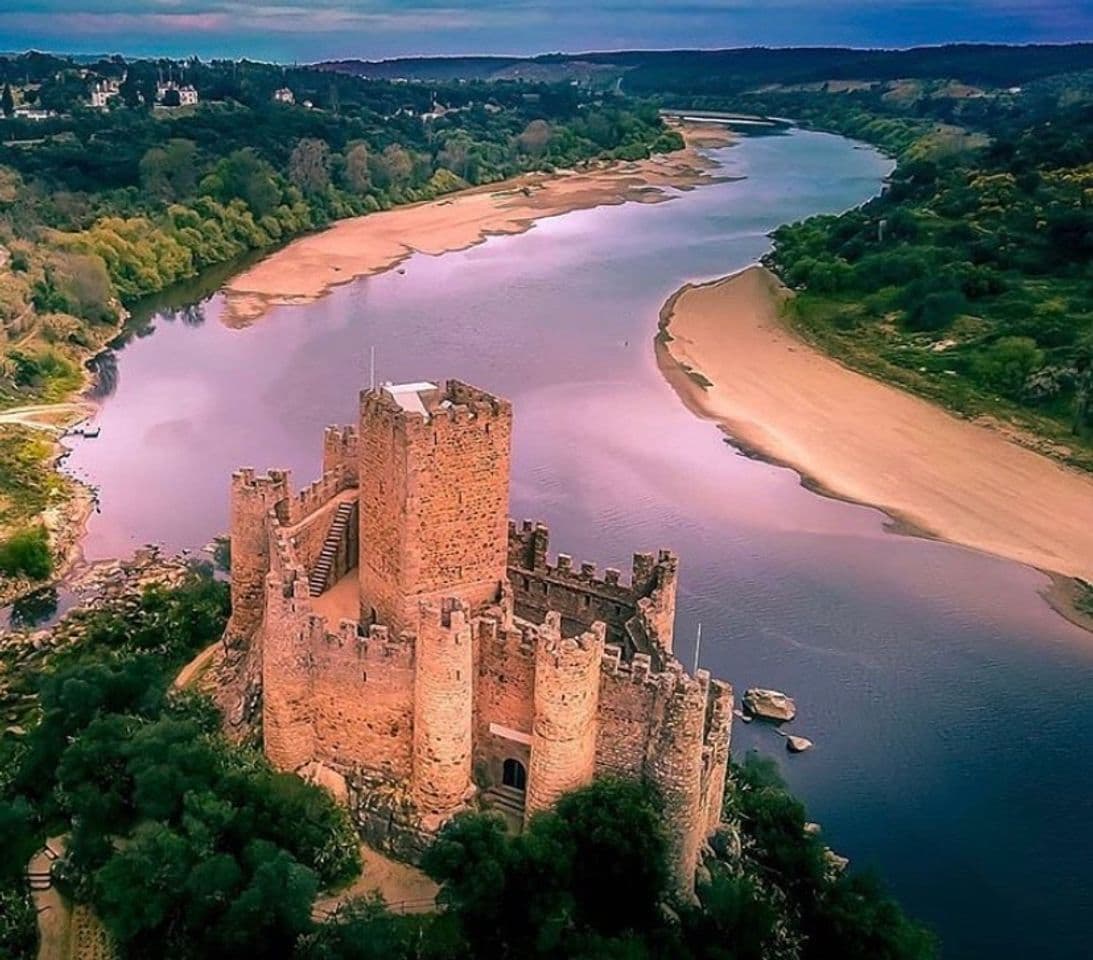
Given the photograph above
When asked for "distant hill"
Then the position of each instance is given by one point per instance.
(671, 71)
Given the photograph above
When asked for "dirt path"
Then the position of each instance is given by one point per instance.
(45, 416)
(405, 889)
(196, 667)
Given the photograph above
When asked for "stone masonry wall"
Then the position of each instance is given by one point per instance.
(675, 768)
(252, 499)
(504, 695)
(362, 700)
(434, 501)
(340, 450)
(639, 615)
(443, 707)
(308, 535)
(567, 689)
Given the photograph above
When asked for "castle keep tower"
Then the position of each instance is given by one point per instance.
(406, 645)
(434, 474)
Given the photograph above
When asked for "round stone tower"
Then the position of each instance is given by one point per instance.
(567, 693)
(443, 674)
(675, 769)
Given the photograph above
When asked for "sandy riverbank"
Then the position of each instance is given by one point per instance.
(307, 268)
(731, 359)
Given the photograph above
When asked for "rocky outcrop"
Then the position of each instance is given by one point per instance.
(798, 744)
(769, 704)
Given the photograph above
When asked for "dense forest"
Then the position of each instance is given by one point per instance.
(187, 846)
(102, 205)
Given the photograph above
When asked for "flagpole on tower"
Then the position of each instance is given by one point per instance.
(372, 368)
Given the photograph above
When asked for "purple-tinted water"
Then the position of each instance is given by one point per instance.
(947, 701)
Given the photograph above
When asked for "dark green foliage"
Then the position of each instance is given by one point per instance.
(26, 554)
(844, 916)
(983, 245)
(7, 101)
(185, 845)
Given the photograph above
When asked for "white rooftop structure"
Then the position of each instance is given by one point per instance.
(409, 395)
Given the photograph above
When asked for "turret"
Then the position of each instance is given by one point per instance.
(252, 500)
(567, 688)
(443, 674)
(675, 769)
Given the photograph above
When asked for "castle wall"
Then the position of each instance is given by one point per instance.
(308, 533)
(362, 700)
(434, 501)
(443, 706)
(563, 735)
(627, 709)
(287, 728)
(504, 696)
(341, 451)
(716, 751)
(675, 768)
(639, 615)
(252, 499)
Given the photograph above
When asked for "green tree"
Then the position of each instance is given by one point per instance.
(169, 173)
(7, 101)
(356, 171)
(1007, 363)
(309, 166)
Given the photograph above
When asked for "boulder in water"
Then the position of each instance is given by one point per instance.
(769, 704)
(798, 744)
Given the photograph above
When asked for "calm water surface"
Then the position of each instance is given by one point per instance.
(945, 698)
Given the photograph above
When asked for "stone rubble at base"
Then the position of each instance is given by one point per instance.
(393, 631)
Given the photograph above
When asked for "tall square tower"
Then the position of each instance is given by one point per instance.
(434, 497)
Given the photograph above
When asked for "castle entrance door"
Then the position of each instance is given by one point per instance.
(514, 774)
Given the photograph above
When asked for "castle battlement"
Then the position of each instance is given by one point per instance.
(318, 494)
(407, 634)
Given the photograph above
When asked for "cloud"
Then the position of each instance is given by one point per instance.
(293, 29)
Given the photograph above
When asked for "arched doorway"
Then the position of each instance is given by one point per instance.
(514, 774)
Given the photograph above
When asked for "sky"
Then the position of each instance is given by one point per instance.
(308, 30)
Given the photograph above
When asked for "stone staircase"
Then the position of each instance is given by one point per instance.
(320, 577)
(508, 800)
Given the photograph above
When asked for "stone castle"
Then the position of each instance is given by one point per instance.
(411, 648)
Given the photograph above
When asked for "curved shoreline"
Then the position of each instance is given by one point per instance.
(310, 267)
(726, 352)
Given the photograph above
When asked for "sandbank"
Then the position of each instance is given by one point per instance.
(307, 268)
(727, 352)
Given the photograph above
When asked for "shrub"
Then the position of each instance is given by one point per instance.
(26, 553)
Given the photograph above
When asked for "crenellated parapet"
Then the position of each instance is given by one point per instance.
(638, 613)
(318, 494)
(340, 450)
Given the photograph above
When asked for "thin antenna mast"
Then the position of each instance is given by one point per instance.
(372, 368)
(698, 646)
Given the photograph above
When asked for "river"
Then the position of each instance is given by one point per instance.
(948, 703)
